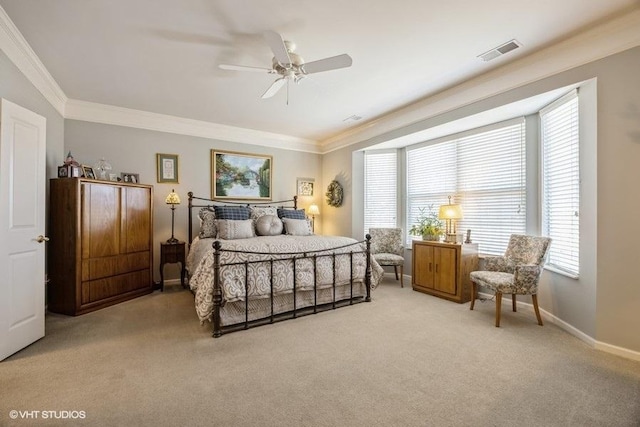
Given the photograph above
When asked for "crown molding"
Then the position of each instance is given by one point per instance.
(608, 38)
(611, 37)
(112, 115)
(14, 45)
(20, 53)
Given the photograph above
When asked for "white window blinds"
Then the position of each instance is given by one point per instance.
(561, 182)
(484, 171)
(492, 187)
(380, 189)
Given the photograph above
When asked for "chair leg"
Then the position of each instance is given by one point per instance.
(395, 269)
(498, 308)
(473, 295)
(402, 276)
(513, 301)
(534, 297)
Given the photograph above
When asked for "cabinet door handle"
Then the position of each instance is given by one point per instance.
(436, 268)
(429, 266)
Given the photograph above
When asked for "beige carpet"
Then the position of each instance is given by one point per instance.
(405, 359)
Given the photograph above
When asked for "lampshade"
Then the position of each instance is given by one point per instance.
(172, 198)
(313, 210)
(450, 212)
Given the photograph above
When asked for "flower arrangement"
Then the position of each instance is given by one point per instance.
(428, 226)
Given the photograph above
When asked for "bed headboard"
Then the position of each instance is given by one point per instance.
(202, 202)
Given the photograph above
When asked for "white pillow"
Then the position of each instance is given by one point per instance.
(230, 229)
(268, 225)
(296, 227)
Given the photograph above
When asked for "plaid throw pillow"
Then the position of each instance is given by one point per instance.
(232, 212)
(291, 213)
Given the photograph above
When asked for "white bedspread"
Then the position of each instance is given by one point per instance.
(259, 274)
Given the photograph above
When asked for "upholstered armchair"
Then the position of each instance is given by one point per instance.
(387, 249)
(515, 273)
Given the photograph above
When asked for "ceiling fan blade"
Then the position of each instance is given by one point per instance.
(244, 68)
(274, 88)
(326, 64)
(275, 42)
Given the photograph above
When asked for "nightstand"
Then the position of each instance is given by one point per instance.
(172, 253)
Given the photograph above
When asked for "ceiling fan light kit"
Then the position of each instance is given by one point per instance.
(289, 65)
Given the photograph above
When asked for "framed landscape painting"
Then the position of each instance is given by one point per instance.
(240, 176)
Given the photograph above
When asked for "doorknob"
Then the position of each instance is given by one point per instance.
(42, 238)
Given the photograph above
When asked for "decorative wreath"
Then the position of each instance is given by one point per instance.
(334, 194)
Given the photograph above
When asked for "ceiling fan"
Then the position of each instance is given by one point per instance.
(288, 65)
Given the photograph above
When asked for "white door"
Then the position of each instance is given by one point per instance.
(22, 216)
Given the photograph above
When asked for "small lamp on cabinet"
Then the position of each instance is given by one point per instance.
(313, 211)
(172, 199)
(450, 213)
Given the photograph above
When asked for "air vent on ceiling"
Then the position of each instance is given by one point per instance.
(500, 50)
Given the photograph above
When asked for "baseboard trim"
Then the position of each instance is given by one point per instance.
(592, 342)
(172, 282)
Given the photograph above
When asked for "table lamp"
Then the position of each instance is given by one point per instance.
(172, 199)
(450, 213)
(313, 211)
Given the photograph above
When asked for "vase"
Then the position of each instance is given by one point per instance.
(430, 237)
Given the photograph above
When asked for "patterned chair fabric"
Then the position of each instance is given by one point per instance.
(387, 249)
(516, 273)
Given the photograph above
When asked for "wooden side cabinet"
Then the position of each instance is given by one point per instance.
(442, 269)
(172, 253)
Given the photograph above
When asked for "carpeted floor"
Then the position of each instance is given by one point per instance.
(405, 359)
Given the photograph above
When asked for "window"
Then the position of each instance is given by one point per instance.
(561, 183)
(380, 189)
(484, 171)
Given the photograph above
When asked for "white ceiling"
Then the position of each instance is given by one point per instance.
(162, 56)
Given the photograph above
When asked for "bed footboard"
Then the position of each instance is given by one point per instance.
(293, 258)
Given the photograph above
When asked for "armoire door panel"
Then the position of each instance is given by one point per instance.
(100, 220)
(137, 206)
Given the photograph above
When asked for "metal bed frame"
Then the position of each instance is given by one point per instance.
(289, 257)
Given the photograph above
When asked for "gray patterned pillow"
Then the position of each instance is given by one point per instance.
(230, 229)
(268, 225)
(203, 211)
(296, 227)
(208, 227)
(259, 211)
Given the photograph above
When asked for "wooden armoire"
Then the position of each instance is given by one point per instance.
(100, 251)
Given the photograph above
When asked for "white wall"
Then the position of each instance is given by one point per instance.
(134, 150)
(16, 88)
(604, 301)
